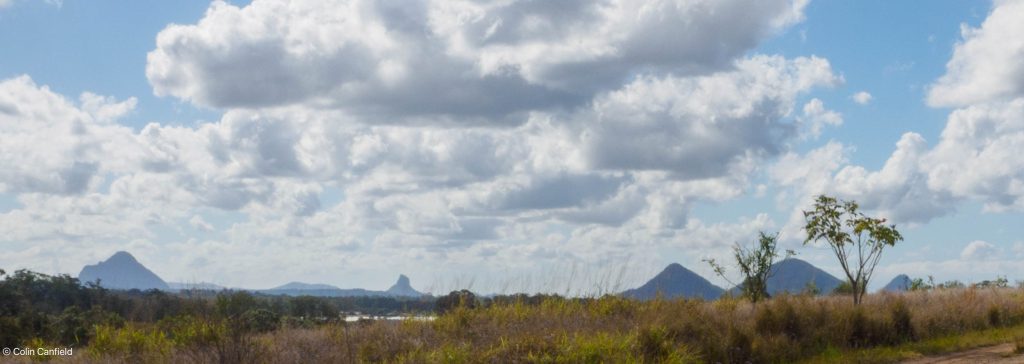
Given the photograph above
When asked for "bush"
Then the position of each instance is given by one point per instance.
(738, 347)
(132, 343)
(191, 331)
(654, 343)
(994, 316)
(903, 327)
(866, 331)
(234, 304)
(75, 328)
(260, 320)
(782, 320)
(455, 299)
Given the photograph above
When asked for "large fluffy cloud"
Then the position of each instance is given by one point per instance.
(446, 193)
(986, 65)
(701, 126)
(979, 155)
(975, 158)
(363, 131)
(458, 61)
(899, 190)
(50, 144)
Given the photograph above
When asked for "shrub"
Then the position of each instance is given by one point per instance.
(903, 327)
(260, 320)
(654, 343)
(133, 343)
(782, 320)
(738, 347)
(190, 331)
(844, 288)
(994, 316)
(461, 298)
(234, 304)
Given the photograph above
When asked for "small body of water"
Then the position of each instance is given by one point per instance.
(354, 318)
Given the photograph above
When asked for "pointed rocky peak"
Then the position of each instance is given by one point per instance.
(403, 281)
(403, 288)
(122, 271)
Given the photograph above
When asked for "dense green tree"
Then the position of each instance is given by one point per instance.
(455, 299)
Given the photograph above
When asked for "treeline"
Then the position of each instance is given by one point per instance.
(61, 310)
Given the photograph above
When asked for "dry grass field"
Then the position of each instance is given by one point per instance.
(887, 327)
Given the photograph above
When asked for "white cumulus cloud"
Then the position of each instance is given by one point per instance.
(977, 250)
(862, 97)
(986, 64)
(447, 61)
(816, 117)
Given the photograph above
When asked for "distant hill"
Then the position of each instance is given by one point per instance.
(401, 288)
(900, 283)
(674, 282)
(303, 286)
(122, 271)
(794, 276)
(179, 286)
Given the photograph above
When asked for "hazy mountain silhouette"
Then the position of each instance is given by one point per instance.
(304, 286)
(401, 288)
(122, 271)
(900, 283)
(673, 282)
(795, 276)
(179, 286)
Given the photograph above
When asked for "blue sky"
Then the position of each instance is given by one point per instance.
(463, 143)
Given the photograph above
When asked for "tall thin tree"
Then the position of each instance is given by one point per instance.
(856, 239)
(755, 264)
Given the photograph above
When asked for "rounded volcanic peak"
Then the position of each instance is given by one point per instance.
(122, 257)
(794, 276)
(793, 263)
(900, 283)
(122, 271)
(675, 269)
(676, 281)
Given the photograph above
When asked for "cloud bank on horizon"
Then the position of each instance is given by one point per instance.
(490, 139)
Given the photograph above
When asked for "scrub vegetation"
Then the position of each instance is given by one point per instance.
(849, 325)
(238, 327)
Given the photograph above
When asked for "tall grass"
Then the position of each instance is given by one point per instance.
(607, 329)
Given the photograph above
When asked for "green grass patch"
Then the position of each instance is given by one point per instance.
(936, 346)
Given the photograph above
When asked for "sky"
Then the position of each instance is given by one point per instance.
(568, 147)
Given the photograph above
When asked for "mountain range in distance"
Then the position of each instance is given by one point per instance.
(790, 275)
(123, 271)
